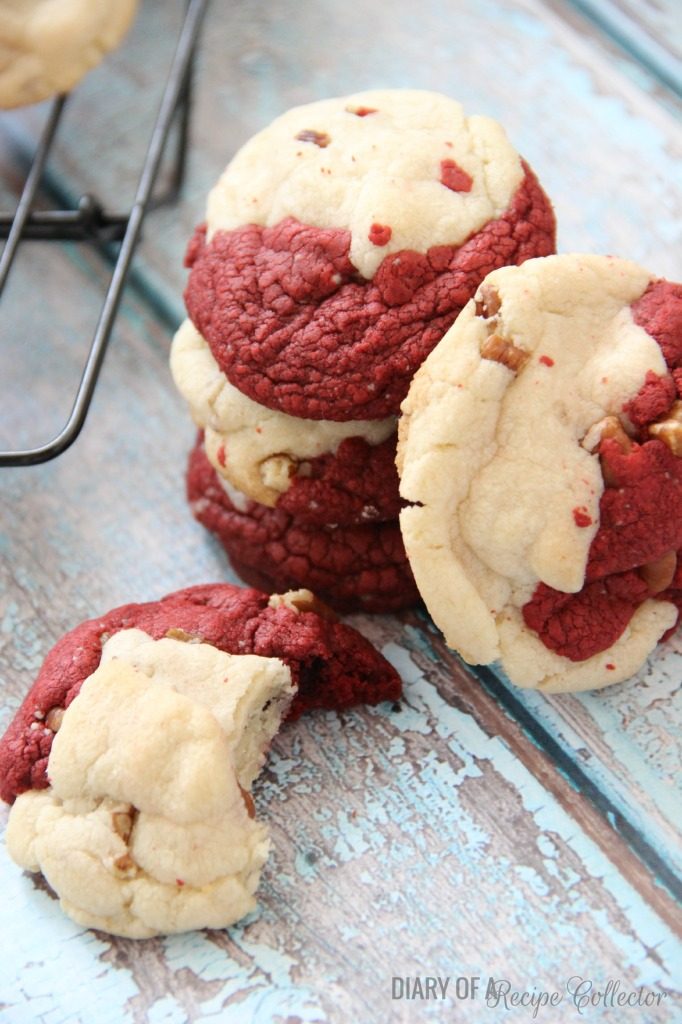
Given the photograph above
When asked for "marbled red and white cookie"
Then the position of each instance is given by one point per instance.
(343, 240)
(146, 825)
(541, 452)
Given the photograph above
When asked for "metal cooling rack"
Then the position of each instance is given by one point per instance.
(90, 223)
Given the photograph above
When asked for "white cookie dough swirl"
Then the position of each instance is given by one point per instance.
(501, 454)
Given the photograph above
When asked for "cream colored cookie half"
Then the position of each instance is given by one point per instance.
(258, 450)
(147, 827)
(46, 46)
(382, 168)
(495, 460)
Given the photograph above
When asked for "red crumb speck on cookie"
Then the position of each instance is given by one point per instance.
(546, 360)
(380, 234)
(455, 177)
(610, 666)
(222, 459)
(581, 518)
(361, 111)
(179, 881)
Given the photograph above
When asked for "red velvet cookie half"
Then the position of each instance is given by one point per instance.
(352, 568)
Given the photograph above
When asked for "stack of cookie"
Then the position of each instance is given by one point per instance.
(339, 246)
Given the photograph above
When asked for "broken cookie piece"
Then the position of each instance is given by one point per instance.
(543, 472)
(332, 665)
(147, 826)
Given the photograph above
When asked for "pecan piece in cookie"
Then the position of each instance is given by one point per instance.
(501, 350)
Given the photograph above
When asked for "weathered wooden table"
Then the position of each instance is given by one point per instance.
(481, 831)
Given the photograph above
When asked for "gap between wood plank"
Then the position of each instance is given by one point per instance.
(630, 38)
(63, 197)
(497, 712)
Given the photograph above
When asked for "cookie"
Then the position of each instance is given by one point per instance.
(46, 46)
(147, 826)
(343, 240)
(331, 664)
(319, 471)
(540, 450)
(355, 568)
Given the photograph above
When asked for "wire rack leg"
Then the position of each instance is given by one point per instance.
(172, 106)
(30, 189)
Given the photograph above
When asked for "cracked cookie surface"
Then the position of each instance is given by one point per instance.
(335, 257)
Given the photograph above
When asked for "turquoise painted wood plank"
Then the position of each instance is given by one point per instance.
(434, 840)
(650, 32)
(609, 732)
(605, 149)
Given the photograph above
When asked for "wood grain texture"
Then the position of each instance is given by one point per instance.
(649, 31)
(438, 839)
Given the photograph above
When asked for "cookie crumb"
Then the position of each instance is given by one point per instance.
(455, 177)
